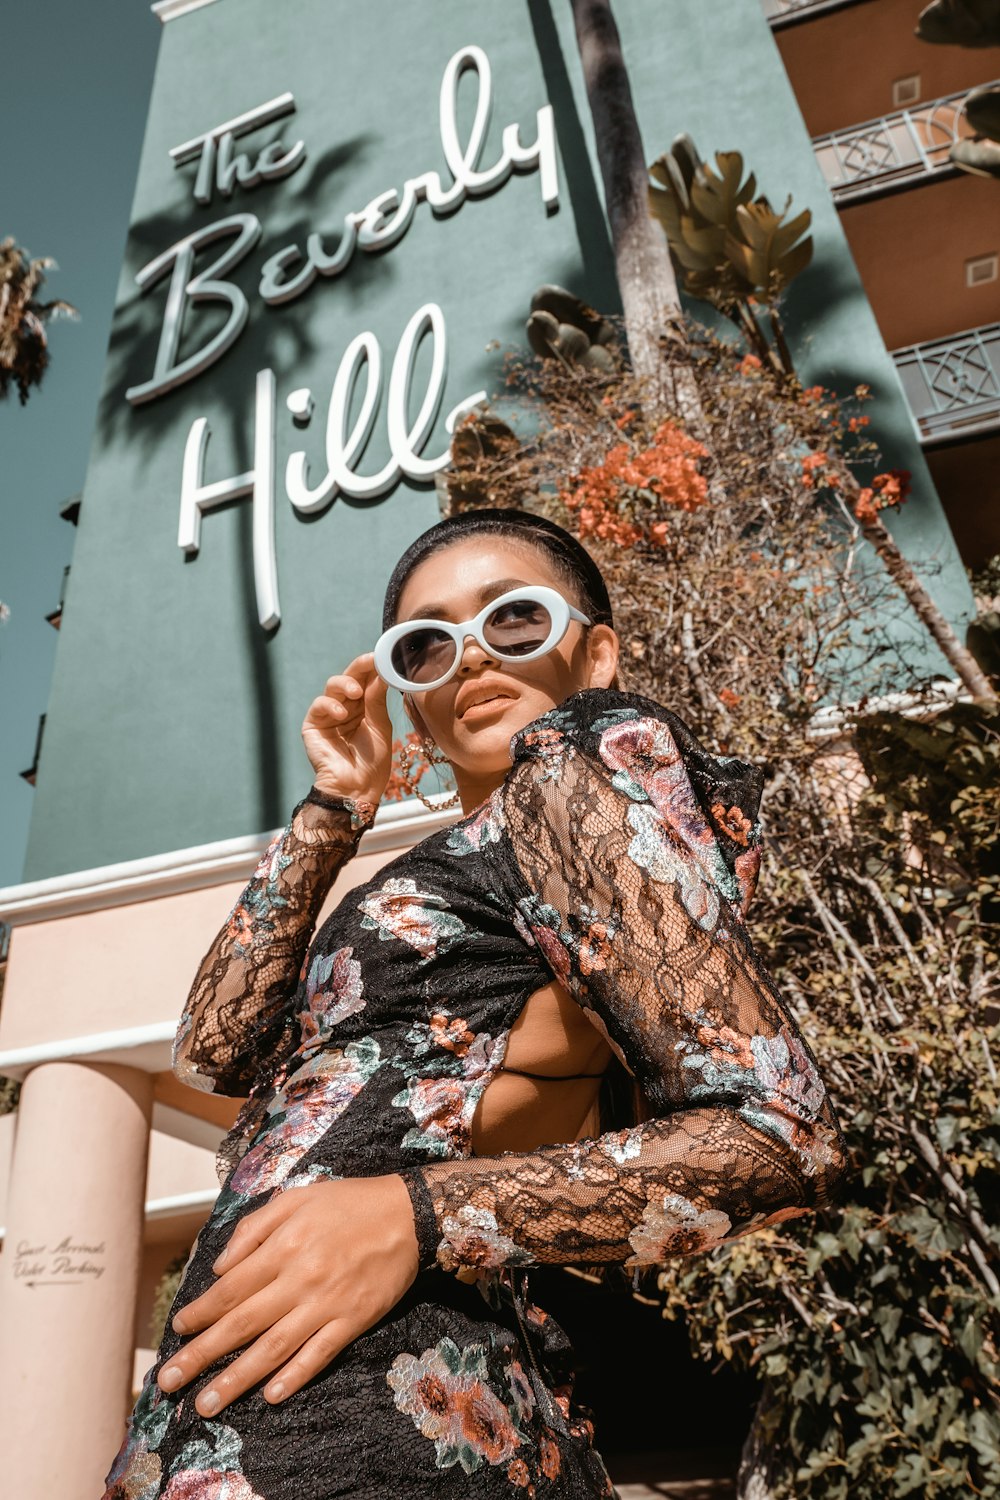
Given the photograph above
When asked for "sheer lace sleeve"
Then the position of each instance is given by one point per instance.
(239, 1003)
(629, 862)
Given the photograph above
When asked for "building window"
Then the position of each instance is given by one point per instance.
(981, 270)
(906, 91)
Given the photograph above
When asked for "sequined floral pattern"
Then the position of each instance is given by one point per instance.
(617, 858)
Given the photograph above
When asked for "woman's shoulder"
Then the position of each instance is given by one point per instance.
(612, 722)
(644, 751)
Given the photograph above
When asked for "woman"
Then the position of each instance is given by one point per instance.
(353, 1320)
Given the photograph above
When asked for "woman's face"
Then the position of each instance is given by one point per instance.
(454, 584)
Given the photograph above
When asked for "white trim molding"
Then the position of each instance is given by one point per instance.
(837, 718)
(169, 10)
(145, 1047)
(180, 1203)
(397, 825)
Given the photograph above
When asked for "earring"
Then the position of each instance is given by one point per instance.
(433, 756)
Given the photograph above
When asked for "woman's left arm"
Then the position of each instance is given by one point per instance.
(620, 880)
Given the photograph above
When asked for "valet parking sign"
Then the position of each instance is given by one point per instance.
(289, 274)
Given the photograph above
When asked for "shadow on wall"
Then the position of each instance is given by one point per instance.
(131, 357)
(595, 280)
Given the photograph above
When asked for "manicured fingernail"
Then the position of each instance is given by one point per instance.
(178, 1324)
(208, 1403)
(220, 1259)
(275, 1392)
(171, 1377)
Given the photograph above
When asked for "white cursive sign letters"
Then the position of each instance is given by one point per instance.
(205, 287)
(361, 360)
(287, 273)
(384, 220)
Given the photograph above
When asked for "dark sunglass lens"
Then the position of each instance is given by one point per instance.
(518, 627)
(423, 655)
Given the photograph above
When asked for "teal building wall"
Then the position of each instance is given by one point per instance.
(174, 716)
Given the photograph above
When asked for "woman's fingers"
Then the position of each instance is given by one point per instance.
(314, 1355)
(267, 1354)
(252, 1231)
(232, 1331)
(350, 696)
(355, 677)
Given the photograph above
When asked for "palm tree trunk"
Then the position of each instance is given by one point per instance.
(646, 280)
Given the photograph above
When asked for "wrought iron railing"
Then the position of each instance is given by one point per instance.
(867, 160)
(787, 12)
(953, 384)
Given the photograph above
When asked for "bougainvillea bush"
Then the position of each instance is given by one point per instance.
(750, 596)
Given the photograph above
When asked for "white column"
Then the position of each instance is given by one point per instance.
(69, 1276)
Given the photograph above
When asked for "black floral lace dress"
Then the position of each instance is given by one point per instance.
(617, 857)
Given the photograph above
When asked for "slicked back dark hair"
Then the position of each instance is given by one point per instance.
(571, 561)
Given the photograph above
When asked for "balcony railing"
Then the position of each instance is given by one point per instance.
(882, 155)
(953, 384)
(788, 12)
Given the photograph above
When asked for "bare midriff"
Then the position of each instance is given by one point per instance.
(553, 1037)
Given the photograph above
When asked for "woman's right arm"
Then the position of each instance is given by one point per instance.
(239, 1004)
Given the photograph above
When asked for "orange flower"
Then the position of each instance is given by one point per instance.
(888, 489)
(595, 948)
(549, 1457)
(732, 820)
(519, 1474)
(864, 507)
(240, 927)
(749, 364)
(813, 393)
(855, 424)
(893, 487)
(729, 698)
(668, 470)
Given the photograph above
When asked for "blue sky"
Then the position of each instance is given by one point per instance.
(76, 85)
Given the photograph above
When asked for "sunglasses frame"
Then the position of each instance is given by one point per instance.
(560, 611)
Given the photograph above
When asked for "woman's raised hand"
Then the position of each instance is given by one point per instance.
(347, 733)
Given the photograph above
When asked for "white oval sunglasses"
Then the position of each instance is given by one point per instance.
(518, 626)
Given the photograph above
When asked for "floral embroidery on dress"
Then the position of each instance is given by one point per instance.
(446, 1044)
(622, 1145)
(397, 909)
(646, 760)
(472, 1237)
(473, 833)
(209, 1484)
(202, 1470)
(439, 1106)
(544, 924)
(549, 746)
(334, 990)
(447, 1393)
(302, 1111)
(674, 1226)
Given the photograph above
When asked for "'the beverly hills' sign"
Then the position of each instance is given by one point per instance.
(289, 274)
